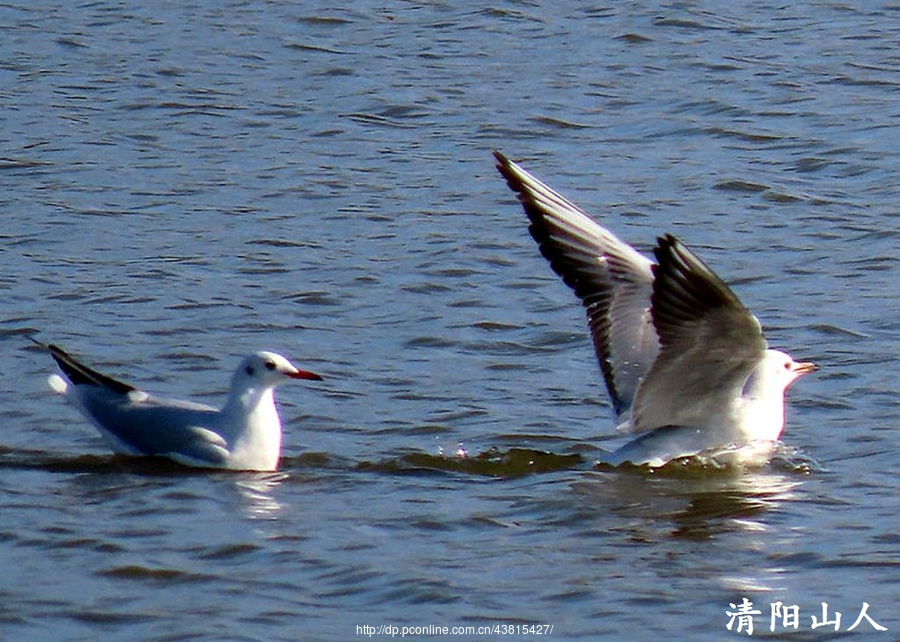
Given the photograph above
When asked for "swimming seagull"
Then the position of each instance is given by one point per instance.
(244, 435)
(685, 362)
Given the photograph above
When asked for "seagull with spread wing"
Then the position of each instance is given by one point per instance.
(685, 362)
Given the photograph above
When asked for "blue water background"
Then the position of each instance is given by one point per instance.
(183, 183)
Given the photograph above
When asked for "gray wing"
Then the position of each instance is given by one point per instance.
(145, 425)
(612, 279)
(136, 423)
(710, 343)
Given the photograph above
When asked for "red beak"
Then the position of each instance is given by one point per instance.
(805, 367)
(303, 374)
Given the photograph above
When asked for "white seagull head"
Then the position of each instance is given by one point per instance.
(777, 370)
(264, 370)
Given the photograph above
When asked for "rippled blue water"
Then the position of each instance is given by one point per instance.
(182, 183)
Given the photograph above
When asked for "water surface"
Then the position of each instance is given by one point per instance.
(182, 185)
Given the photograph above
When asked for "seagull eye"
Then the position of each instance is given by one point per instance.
(787, 365)
(250, 370)
(270, 365)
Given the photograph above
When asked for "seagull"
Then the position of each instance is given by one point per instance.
(686, 364)
(244, 435)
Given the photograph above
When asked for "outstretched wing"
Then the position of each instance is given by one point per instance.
(612, 279)
(710, 342)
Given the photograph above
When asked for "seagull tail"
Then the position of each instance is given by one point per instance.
(58, 384)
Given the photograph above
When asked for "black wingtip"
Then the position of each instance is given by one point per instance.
(80, 375)
(76, 372)
(516, 177)
(684, 287)
(505, 167)
(668, 246)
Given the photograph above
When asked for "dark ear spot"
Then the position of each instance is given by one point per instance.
(250, 370)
